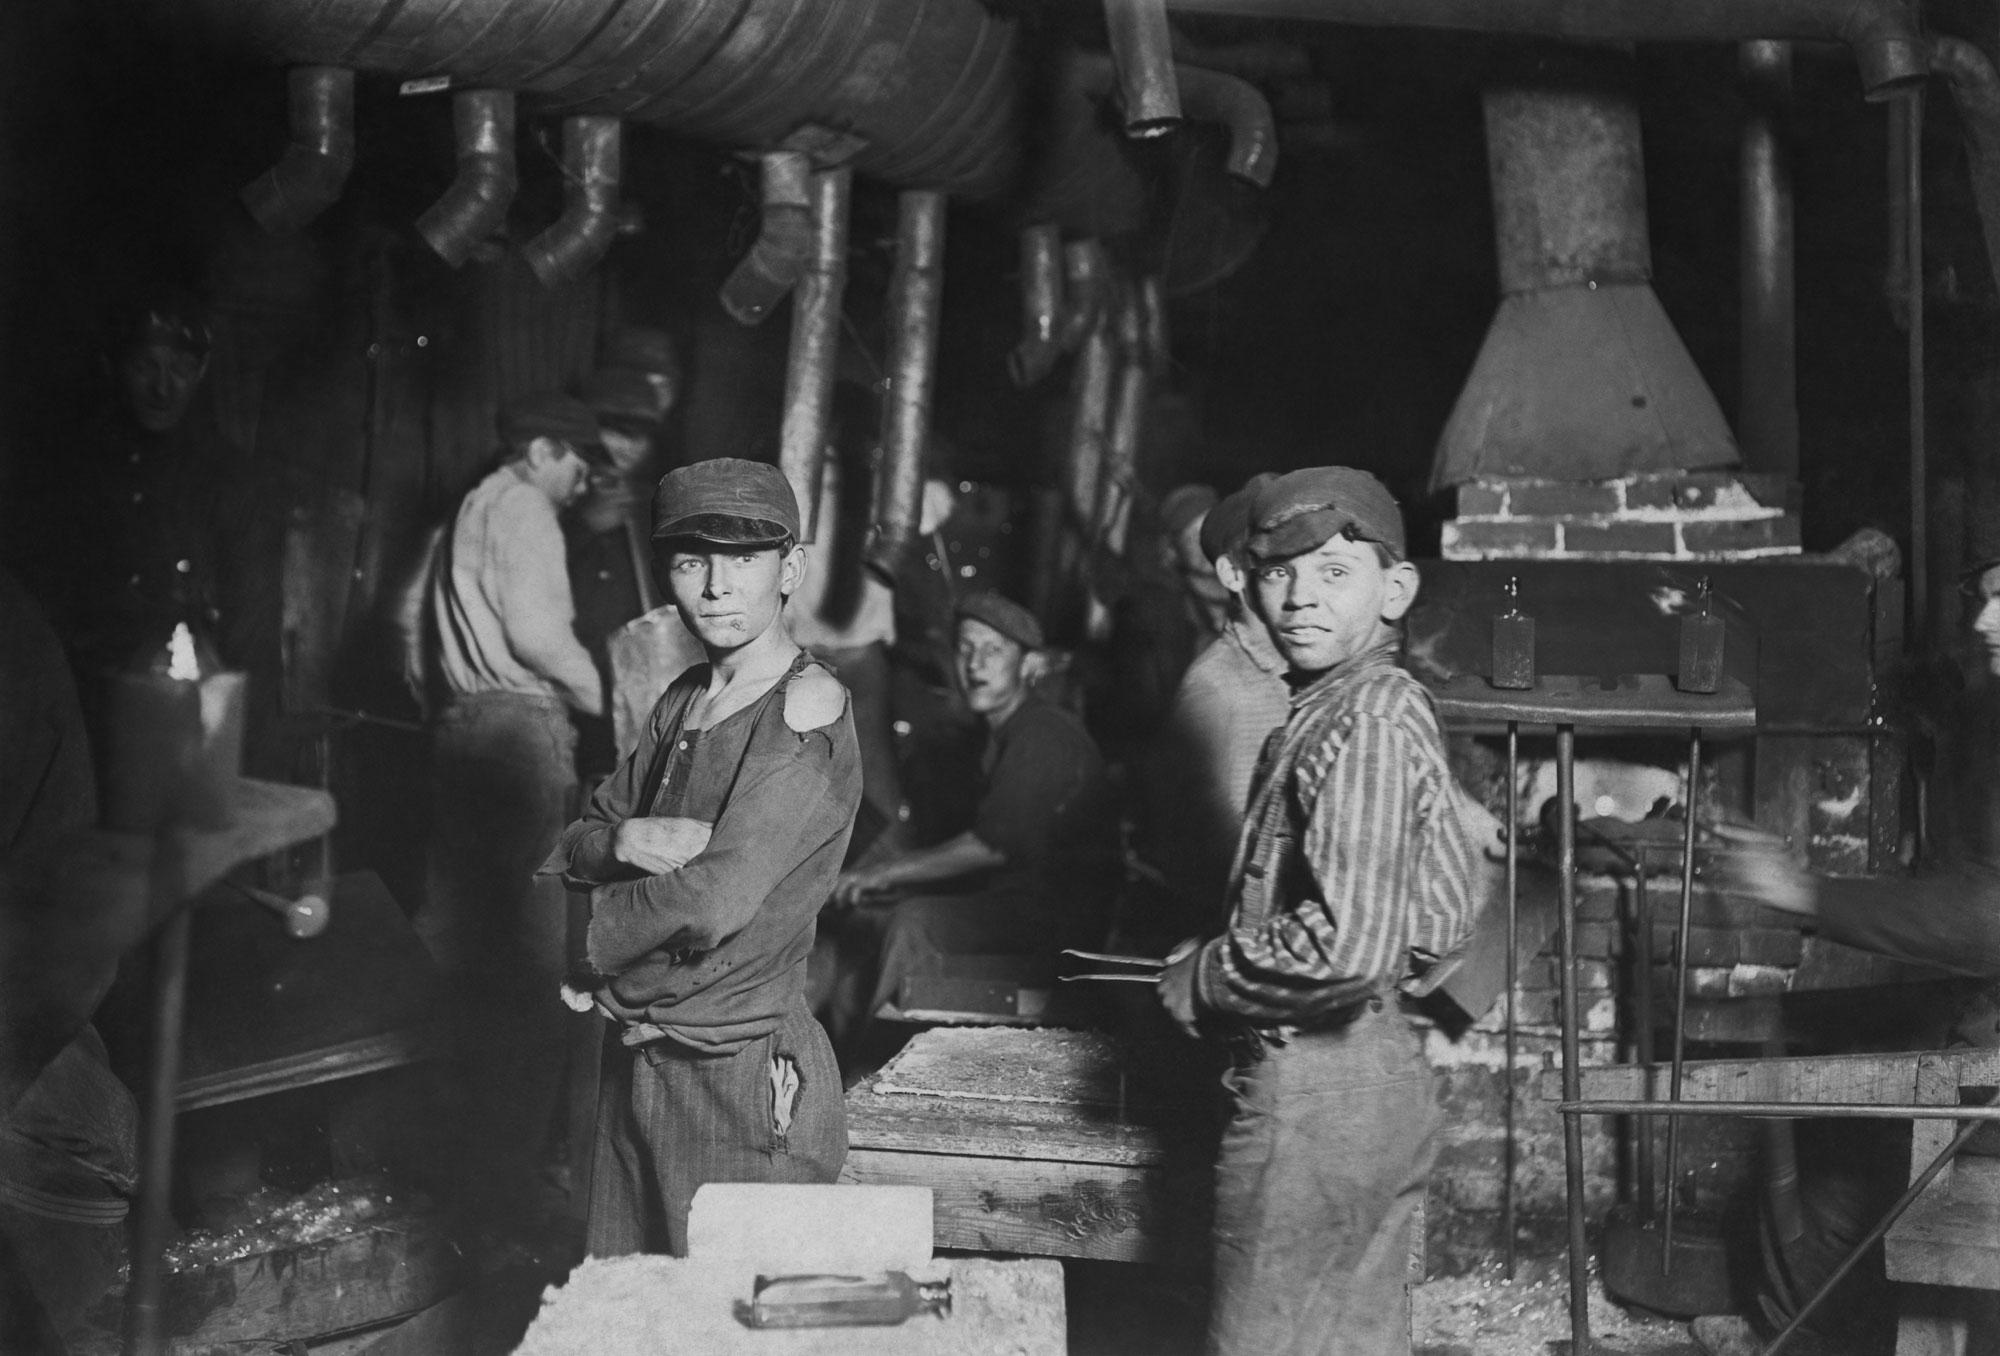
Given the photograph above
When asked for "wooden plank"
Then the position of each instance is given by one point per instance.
(1875, 1079)
(370, 1054)
(1627, 702)
(1050, 1065)
(991, 1130)
(1093, 1210)
(1951, 1236)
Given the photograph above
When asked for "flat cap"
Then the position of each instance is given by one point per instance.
(1004, 615)
(1227, 525)
(551, 414)
(642, 348)
(621, 395)
(1182, 505)
(1300, 510)
(727, 500)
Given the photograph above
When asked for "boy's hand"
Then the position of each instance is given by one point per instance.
(659, 844)
(1176, 986)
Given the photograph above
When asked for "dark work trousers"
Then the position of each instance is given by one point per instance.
(1322, 1169)
(504, 786)
(670, 1118)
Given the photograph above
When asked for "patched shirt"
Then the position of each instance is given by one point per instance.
(1353, 873)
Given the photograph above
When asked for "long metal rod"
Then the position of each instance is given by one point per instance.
(143, 1335)
(1913, 170)
(1642, 984)
(1681, 996)
(1873, 1236)
(1861, 1111)
(1508, 1147)
(1572, 1043)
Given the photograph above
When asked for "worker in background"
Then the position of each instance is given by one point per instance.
(610, 561)
(652, 353)
(706, 856)
(1230, 700)
(1036, 870)
(1353, 880)
(504, 779)
(1166, 607)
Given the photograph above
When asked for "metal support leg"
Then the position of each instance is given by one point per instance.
(143, 1335)
(1642, 990)
(1680, 997)
(1572, 1044)
(1508, 1147)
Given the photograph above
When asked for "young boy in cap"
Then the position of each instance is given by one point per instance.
(504, 782)
(1036, 869)
(706, 856)
(1353, 876)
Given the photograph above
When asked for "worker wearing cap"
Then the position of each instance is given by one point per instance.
(706, 856)
(651, 353)
(1352, 878)
(1035, 871)
(1230, 700)
(504, 776)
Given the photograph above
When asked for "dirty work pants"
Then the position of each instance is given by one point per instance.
(670, 1118)
(504, 784)
(1322, 1167)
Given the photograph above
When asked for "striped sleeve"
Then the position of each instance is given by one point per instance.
(1344, 934)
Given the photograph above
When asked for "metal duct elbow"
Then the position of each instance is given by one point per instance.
(1041, 305)
(1211, 96)
(590, 220)
(783, 246)
(474, 208)
(309, 176)
(1142, 51)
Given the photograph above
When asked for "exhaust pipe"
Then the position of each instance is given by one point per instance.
(815, 350)
(1041, 305)
(1086, 286)
(1885, 35)
(783, 246)
(1211, 96)
(1090, 418)
(1153, 322)
(474, 208)
(1975, 89)
(915, 292)
(308, 178)
(590, 219)
(1113, 516)
(1767, 419)
(1142, 51)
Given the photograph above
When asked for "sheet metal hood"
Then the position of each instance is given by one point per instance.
(1582, 376)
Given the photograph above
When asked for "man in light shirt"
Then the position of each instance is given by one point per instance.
(504, 782)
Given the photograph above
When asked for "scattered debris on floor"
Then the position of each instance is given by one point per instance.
(1484, 1314)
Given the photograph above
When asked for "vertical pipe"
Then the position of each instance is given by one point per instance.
(1681, 996)
(815, 350)
(1508, 1147)
(1767, 423)
(1090, 413)
(144, 1333)
(1142, 50)
(1912, 104)
(1113, 512)
(915, 293)
(1572, 1044)
(1041, 304)
(1642, 998)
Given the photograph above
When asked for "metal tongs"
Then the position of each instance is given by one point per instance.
(1127, 969)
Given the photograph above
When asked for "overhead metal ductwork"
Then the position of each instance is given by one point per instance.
(1582, 376)
(815, 348)
(592, 151)
(918, 92)
(784, 244)
(916, 294)
(1975, 90)
(309, 177)
(1211, 96)
(1142, 51)
(1087, 291)
(1886, 36)
(1041, 305)
(474, 208)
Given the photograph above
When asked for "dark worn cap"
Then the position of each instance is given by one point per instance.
(551, 414)
(726, 500)
(644, 349)
(167, 315)
(1227, 525)
(1182, 505)
(621, 396)
(1004, 615)
(1300, 510)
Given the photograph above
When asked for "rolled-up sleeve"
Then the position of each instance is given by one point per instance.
(581, 855)
(767, 830)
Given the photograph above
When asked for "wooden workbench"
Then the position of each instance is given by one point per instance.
(1045, 1141)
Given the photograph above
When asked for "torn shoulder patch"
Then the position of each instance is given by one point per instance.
(814, 700)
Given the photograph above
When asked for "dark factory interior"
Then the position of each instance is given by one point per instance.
(1667, 334)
